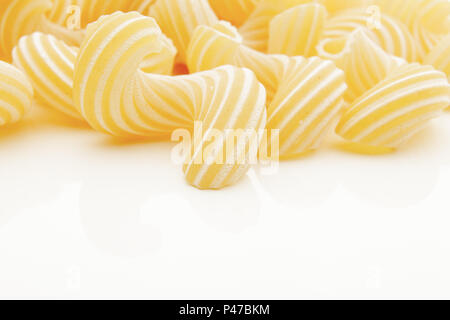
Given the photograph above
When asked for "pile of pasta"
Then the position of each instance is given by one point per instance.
(375, 72)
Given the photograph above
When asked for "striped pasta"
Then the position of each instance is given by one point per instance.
(18, 18)
(334, 6)
(396, 108)
(233, 104)
(304, 96)
(49, 64)
(255, 30)
(365, 64)
(426, 19)
(297, 31)
(23, 17)
(405, 11)
(16, 94)
(439, 57)
(306, 105)
(123, 100)
(295, 70)
(432, 25)
(391, 34)
(179, 18)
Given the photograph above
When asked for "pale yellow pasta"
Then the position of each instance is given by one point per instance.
(49, 64)
(123, 100)
(306, 105)
(234, 11)
(305, 96)
(439, 57)
(405, 11)
(255, 30)
(426, 19)
(23, 17)
(391, 34)
(17, 18)
(364, 62)
(179, 18)
(396, 108)
(16, 94)
(432, 25)
(297, 31)
(301, 69)
(334, 6)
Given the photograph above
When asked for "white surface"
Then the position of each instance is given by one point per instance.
(82, 216)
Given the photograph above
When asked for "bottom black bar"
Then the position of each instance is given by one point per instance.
(258, 309)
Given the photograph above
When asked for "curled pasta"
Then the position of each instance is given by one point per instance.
(49, 64)
(179, 18)
(365, 64)
(391, 34)
(439, 57)
(16, 94)
(17, 18)
(297, 31)
(426, 19)
(255, 30)
(396, 108)
(305, 96)
(431, 26)
(123, 100)
(23, 17)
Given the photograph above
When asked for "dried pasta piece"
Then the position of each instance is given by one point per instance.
(234, 11)
(16, 94)
(426, 19)
(232, 114)
(255, 30)
(49, 64)
(405, 11)
(179, 18)
(18, 18)
(391, 34)
(397, 108)
(297, 31)
(304, 96)
(365, 64)
(307, 105)
(432, 25)
(439, 57)
(123, 100)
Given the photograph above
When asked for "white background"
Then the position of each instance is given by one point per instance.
(84, 216)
